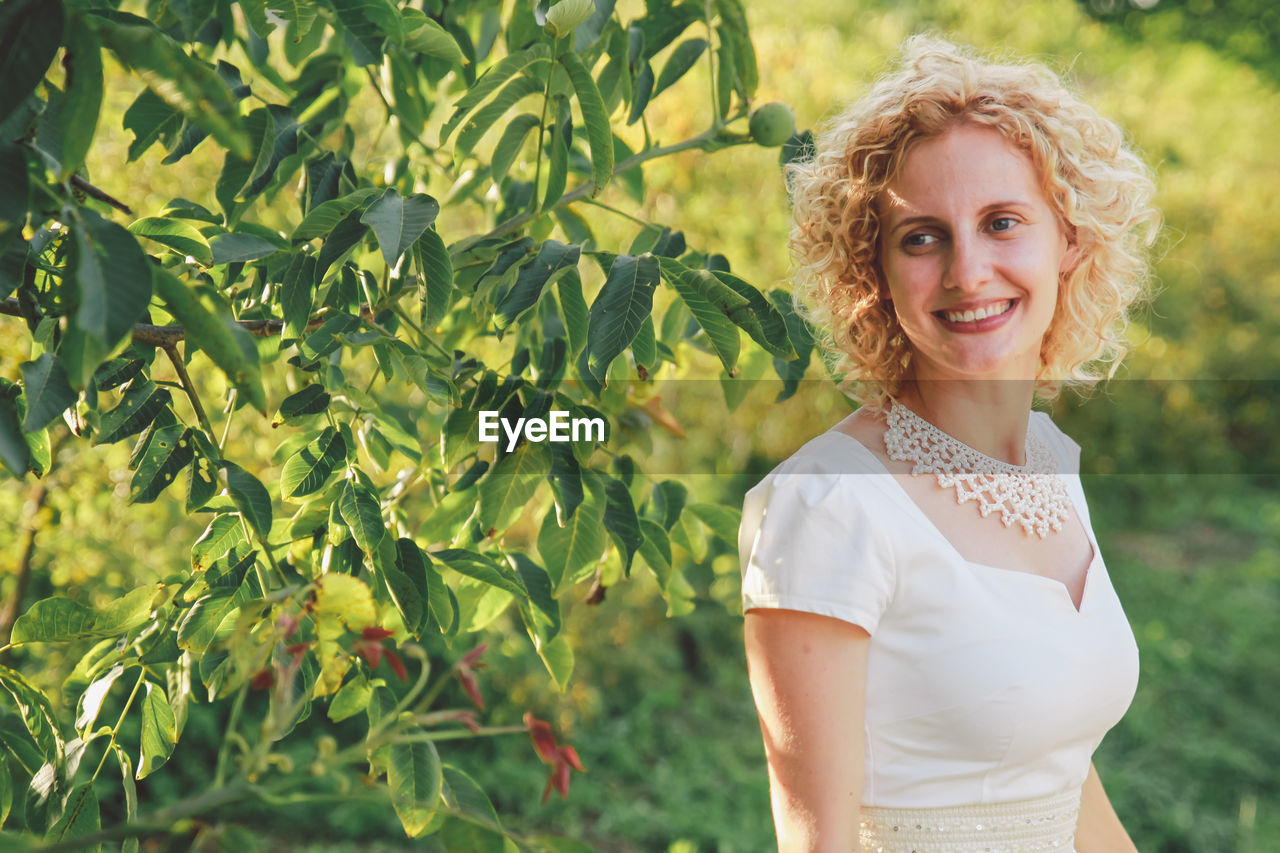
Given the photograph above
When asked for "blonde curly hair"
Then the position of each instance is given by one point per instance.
(1100, 189)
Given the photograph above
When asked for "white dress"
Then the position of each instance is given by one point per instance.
(984, 685)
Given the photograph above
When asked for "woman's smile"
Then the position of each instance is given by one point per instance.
(980, 318)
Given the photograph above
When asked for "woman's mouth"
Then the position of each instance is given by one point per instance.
(977, 319)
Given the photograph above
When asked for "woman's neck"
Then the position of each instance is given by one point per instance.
(990, 416)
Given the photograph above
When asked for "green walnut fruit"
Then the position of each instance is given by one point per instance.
(772, 124)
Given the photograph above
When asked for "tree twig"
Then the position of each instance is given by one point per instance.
(93, 192)
(184, 380)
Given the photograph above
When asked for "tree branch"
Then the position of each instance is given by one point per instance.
(585, 189)
(166, 336)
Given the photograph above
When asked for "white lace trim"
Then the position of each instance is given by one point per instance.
(1033, 495)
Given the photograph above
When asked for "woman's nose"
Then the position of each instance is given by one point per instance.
(969, 266)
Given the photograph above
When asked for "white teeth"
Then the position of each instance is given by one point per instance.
(980, 314)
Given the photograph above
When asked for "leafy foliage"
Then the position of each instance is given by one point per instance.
(458, 275)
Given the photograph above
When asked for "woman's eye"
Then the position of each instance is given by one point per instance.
(1003, 223)
(919, 241)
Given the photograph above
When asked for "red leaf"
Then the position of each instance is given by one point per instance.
(397, 665)
(469, 685)
(544, 742)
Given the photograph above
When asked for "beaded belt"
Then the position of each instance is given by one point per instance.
(1022, 826)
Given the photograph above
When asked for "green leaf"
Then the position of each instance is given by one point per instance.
(297, 294)
(342, 238)
(129, 845)
(15, 195)
(571, 552)
(30, 34)
(405, 594)
(234, 247)
(58, 620)
(415, 779)
(223, 533)
(80, 816)
(370, 22)
(758, 318)
(299, 14)
(424, 35)
(553, 260)
(621, 521)
(599, 134)
(170, 449)
(217, 336)
(560, 141)
(573, 307)
(397, 222)
(436, 269)
(508, 147)
(483, 569)
(710, 300)
(82, 61)
(310, 400)
(114, 279)
(723, 520)
(684, 57)
(351, 699)
(442, 603)
(150, 119)
(557, 655)
(159, 731)
(360, 510)
(462, 794)
(507, 489)
(641, 92)
(476, 126)
(185, 84)
(458, 834)
(36, 712)
(309, 469)
(199, 628)
(510, 65)
(177, 235)
(47, 390)
(201, 484)
(655, 549)
(138, 408)
(249, 496)
(324, 217)
(6, 789)
(619, 310)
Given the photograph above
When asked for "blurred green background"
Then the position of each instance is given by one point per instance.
(1178, 450)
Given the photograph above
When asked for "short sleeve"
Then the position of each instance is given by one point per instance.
(1064, 447)
(808, 541)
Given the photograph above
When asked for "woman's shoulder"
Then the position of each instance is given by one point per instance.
(837, 451)
(830, 467)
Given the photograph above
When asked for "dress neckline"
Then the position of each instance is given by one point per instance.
(929, 523)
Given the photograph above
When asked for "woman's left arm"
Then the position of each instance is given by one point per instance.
(1099, 829)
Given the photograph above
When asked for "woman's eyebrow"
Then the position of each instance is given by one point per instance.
(923, 219)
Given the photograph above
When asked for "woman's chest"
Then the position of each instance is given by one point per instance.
(993, 661)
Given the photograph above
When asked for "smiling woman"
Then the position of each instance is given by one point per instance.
(968, 236)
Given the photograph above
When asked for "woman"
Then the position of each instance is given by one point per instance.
(934, 646)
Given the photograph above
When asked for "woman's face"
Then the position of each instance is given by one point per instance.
(972, 252)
